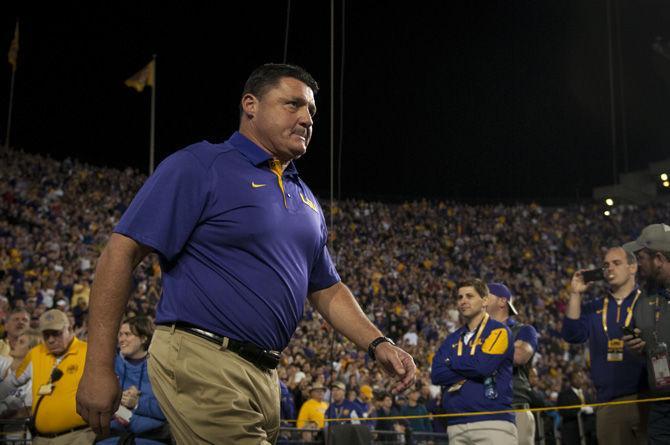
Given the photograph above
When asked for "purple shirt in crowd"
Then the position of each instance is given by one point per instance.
(238, 257)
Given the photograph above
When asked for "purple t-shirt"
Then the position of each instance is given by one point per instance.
(237, 258)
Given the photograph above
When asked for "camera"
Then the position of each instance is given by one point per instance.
(593, 275)
(627, 330)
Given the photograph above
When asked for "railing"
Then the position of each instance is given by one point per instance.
(14, 432)
(318, 437)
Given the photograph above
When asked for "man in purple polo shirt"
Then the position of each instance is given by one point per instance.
(242, 243)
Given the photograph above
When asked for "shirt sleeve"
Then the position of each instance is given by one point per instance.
(441, 372)
(577, 331)
(14, 381)
(528, 334)
(168, 207)
(323, 273)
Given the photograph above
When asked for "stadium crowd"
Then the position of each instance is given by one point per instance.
(401, 261)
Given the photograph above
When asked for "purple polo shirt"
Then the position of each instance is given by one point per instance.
(236, 258)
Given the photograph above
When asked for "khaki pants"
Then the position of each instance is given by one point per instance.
(488, 432)
(620, 424)
(525, 427)
(79, 437)
(211, 395)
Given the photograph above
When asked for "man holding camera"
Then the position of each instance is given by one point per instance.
(616, 372)
(652, 323)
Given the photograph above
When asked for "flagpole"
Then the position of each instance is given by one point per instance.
(152, 137)
(12, 56)
(9, 112)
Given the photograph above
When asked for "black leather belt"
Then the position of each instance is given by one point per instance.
(62, 433)
(262, 358)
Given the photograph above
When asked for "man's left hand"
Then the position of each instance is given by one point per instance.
(396, 363)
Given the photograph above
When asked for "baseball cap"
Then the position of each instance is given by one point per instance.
(502, 291)
(317, 386)
(340, 385)
(53, 320)
(654, 237)
(367, 391)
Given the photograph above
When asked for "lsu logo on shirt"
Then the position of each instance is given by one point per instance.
(497, 342)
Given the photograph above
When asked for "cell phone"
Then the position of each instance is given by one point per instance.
(592, 275)
(627, 330)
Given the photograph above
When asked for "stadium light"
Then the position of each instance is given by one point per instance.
(664, 176)
(607, 213)
(666, 184)
(609, 202)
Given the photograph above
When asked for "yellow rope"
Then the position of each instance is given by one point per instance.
(486, 413)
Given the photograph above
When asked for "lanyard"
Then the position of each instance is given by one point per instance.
(629, 317)
(482, 324)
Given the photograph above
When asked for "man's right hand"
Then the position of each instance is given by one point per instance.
(98, 398)
(577, 285)
(634, 342)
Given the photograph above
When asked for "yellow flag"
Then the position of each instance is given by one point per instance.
(14, 48)
(142, 78)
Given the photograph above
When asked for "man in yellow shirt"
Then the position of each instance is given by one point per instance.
(56, 366)
(312, 412)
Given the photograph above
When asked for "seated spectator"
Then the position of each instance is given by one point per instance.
(139, 418)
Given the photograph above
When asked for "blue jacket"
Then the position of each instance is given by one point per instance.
(423, 424)
(286, 405)
(493, 357)
(611, 379)
(147, 415)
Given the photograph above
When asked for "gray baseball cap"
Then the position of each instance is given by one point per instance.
(654, 237)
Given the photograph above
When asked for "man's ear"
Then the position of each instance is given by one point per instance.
(249, 105)
(658, 258)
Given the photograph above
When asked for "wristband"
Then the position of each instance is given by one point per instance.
(376, 342)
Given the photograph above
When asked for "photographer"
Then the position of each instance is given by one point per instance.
(616, 373)
(652, 321)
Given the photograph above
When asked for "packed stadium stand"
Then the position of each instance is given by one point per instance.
(401, 261)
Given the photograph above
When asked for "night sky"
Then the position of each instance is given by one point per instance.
(473, 101)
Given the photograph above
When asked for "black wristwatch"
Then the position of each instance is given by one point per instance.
(376, 342)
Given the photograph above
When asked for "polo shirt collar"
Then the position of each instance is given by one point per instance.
(74, 348)
(255, 154)
(630, 296)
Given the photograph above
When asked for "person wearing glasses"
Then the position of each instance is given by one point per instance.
(55, 367)
(616, 373)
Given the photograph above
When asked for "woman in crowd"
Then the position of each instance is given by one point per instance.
(139, 419)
